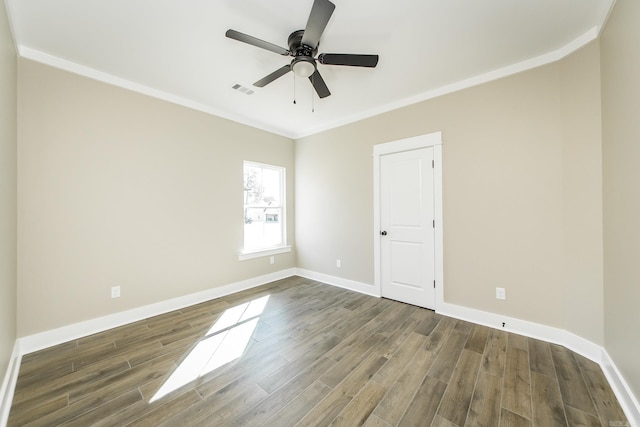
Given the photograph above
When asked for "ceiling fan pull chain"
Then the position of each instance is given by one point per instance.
(313, 106)
(294, 88)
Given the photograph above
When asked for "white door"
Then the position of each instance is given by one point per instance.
(407, 234)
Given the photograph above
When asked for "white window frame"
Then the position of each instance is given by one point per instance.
(270, 250)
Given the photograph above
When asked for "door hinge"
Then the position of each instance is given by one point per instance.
(434, 223)
(434, 284)
(433, 164)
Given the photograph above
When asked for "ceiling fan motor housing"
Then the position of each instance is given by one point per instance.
(297, 48)
(303, 63)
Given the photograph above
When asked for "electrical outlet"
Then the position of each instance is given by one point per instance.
(272, 260)
(501, 293)
(338, 263)
(115, 292)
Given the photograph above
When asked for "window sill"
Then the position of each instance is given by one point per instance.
(263, 252)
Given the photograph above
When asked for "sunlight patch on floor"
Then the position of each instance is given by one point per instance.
(225, 342)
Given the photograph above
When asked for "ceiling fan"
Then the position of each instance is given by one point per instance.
(303, 45)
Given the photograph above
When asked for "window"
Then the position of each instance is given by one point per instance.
(264, 210)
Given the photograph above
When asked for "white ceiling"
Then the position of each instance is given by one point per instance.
(177, 50)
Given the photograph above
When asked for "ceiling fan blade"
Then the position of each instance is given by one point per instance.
(245, 38)
(271, 77)
(321, 12)
(319, 85)
(352, 60)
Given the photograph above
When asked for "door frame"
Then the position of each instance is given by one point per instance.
(422, 141)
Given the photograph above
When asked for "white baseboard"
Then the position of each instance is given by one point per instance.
(352, 285)
(623, 392)
(42, 340)
(9, 384)
(523, 327)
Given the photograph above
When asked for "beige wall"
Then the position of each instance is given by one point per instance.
(621, 153)
(117, 188)
(582, 194)
(508, 181)
(8, 140)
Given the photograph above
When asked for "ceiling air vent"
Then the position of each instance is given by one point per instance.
(243, 89)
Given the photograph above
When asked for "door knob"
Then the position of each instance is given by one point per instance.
(383, 233)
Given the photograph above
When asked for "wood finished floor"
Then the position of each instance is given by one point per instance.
(317, 355)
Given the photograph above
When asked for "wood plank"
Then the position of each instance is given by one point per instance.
(300, 362)
(428, 325)
(576, 417)
(280, 342)
(317, 321)
(478, 339)
(548, 409)
(36, 378)
(239, 375)
(28, 397)
(85, 356)
(105, 410)
(517, 341)
(517, 383)
(456, 400)
(439, 421)
(509, 419)
(356, 301)
(179, 348)
(295, 410)
(124, 416)
(398, 361)
(218, 407)
(228, 412)
(396, 339)
(540, 358)
(464, 327)
(49, 357)
(609, 410)
(165, 329)
(267, 407)
(395, 402)
(359, 409)
(110, 386)
(422, 408)
(67, 414)
(494, 355)
(166, 409)
(484, 410)
(18, 417)
(572, 387)
(439, 335)
(374, 421)
(145, 347)
(335, 401)
(383, 319)
(348, 363)
(447, 359)
(362, 315)
(353, 339)
(393, 318)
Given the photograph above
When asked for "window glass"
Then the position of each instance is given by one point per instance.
(263, 207)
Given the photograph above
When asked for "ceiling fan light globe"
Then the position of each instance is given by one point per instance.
(304, 68)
